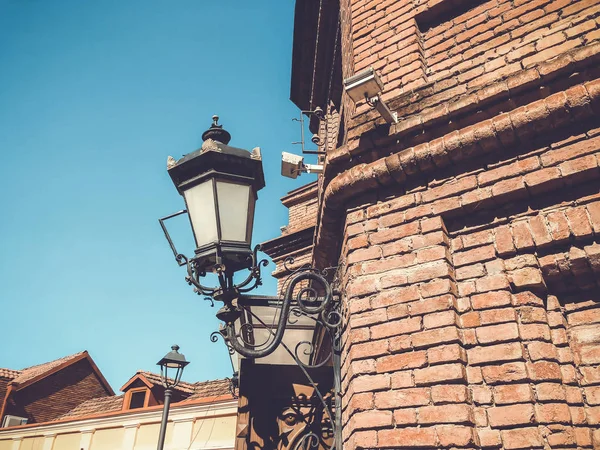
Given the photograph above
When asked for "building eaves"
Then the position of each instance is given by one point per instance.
(95, 406)
(31, 375)
(9, 374)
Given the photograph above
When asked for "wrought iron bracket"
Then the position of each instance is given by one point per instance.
(306, 293)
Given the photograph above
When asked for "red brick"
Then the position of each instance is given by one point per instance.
(440, 319)
(493, 316)
(503, 240)
(429, 271)
(509, 416)
(437, 287)
(429, 305)
(592, 395)
(527, 278)
(372, 419)
(364, 439)
(370, 349)
(476, 255)
(535, 331)
(522, 438)
(451, 436)
(492, 283)
(366, 383)
(396, 327)
(550, 392)
(508, 394)
(435, 337)
(470, 271)
(522, 236)
(445, 414)
(393, 296)
(441, 373)
(449, 393)
(368, 318)
(402, 380)
(491, 300)
(526, 298)
(594, 213)
(405, 416)
(489, 438)
(541, 350)
(361, 402)
(495, 353)
(409, 360)
(544, 370)
(401, 398)
(552, 413)
(497, 333)
(418, 437)
(579, 222)
(470, 319)
(559, 226)
(446, 354)
(514, 371)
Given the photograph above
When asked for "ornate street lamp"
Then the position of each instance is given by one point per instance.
(172, 363)
(219, 184)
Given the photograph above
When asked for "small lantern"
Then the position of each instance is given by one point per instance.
(220, 184)
(174, 361)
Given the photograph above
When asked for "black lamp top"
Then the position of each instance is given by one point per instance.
(216, 132)
(173, 358)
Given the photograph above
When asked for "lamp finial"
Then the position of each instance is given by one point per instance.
(216, 132)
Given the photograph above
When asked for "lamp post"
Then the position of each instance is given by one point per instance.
(173, 361)
(220, 185)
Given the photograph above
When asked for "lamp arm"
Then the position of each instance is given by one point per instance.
(303, 297)
(255, 274)
(193, 276)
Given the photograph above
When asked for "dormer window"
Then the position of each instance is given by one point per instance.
(138, 398)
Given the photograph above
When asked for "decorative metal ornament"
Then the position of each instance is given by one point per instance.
(306, 294)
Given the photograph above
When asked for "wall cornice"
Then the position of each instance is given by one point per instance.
(536, 118)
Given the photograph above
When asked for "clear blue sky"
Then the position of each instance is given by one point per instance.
(94, 95)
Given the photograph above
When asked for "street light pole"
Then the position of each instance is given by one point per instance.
(165, 417)
(172, 360)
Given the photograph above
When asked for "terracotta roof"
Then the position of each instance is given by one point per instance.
(30, 373)
(95, 406)
(156, 379)
(211, 388)
(9, 373)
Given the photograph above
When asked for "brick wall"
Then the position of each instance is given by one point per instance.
(56, 394)
(412, 43)
(468, 232)
(479, 329)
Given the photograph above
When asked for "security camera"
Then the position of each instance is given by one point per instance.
(367, 85)
(318, 111)
(293, 165)
(315, 139)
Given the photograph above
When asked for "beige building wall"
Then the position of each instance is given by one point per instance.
(193, 427)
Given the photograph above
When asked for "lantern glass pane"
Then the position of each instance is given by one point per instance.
(233, 210)
(200, 202)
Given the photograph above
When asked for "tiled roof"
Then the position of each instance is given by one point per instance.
(95, 406)
(197, 390)
(155, 378)
(101, 405)
(9, 373)
(211, 388)
(29, 373)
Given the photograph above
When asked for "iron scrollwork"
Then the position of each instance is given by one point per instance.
(306, 294)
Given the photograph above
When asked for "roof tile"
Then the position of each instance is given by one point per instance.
(9, 373)
(95, 406)
(29, 373)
